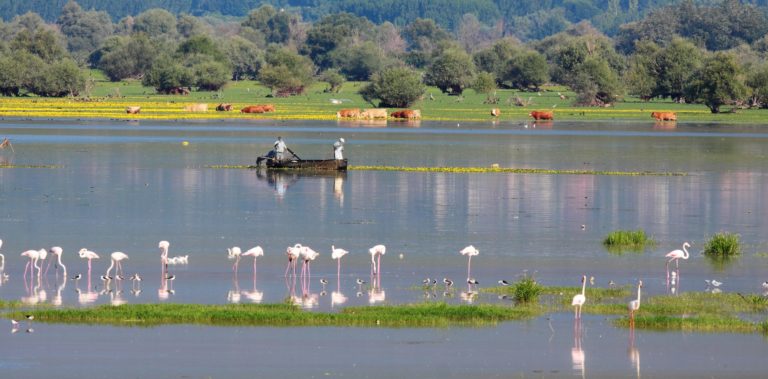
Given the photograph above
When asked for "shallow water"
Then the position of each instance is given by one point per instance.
(125, 186)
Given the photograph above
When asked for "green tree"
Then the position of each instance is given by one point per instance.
(276, 27)
(495, 58)
(286, 73)
(526, 70)
(58, 79)
(41, 42)
(641, 74)
(452, 71)
(596, 83)
(358, 62)
(717, 82)
(85, 31)
(245, 58)
(210, 74)
(757, 83)
(675, 65)
(334, 80)
(188, 26)
(334, 31)
(167, 74)
(156, 23)
(126, 57)
(395, 87)
(485, 83)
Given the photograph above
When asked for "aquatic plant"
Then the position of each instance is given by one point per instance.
(619, 241)
(723, 245)
(411, 315)
(526, 290)
(707, 323)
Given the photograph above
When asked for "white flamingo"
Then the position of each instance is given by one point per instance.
(255, 253)
(470, 251)
(675, 255)
(117, 258)
(293, 253)
(308, 255)
(234, 254)
(164, 245)
(580, 299)
(57, 251)
(376, 253)
(337, 254)
(2, 257)
(634, 305)
(33, 256)
(89, 255)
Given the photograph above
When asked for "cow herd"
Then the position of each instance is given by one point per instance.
(376, 113)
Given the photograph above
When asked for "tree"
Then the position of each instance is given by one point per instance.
(286, 73)
(395, 87)
(188, 26)
(485, 83)
(452, 71)
(595, 83)
(757, 82)
(85, 31)
(526, 70)
(641, 74)
(334, 80)
(276, 26)
(156, 23)
(717, 82)
(245, 58)
(41, 42)
(358, 62)
(59, 78)
(167, 74)
(126, 57)
(332, 32)
(210, 74)
(675, 65)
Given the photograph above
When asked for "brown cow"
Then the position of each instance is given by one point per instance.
(268, 107)
(132, 110)
(348, 113)
(373, 113)
(253, 109)
(664, 116)
(223, 107)
(495, 112)
(179, 91)
(542, 115)
(200, 107)
(407, 114)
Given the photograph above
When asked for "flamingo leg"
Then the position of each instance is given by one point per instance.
(378, 265)
(469, 265)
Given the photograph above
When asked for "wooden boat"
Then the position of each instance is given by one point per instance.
(303, 164)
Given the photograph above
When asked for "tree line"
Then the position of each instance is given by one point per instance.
(712, 54)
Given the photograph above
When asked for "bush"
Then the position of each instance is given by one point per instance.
(723, 245)
(396, 87)
(619, 241)
(526, 290)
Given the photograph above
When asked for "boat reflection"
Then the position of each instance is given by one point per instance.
(282, 180)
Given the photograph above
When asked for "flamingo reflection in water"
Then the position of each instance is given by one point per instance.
(233, 295)
(90, 256)
(633, 353)
(676, 255)
(337, 298)
(578, 357)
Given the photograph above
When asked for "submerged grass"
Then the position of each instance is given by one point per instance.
(619, 241)
(485, 170)
(413, 315)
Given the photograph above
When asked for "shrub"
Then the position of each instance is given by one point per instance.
(723, 245)
(526, 290)
(619, 241)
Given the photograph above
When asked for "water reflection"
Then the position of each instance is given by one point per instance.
(578, 357)
(633, 353)
(282, 180)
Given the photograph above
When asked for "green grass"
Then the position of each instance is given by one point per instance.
(413, 315)
(723, 245)
(695, 324)
(620, 241)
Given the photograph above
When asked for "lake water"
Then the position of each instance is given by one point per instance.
(124, 186)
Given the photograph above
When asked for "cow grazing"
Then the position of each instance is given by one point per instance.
(348, 113)
(373, 113)
(542, 115)
(253, 109)
(268, 107)
(407, 114)
(495, 112)
(664, 116)
(132, 110)
(224, 107)
(200, 107)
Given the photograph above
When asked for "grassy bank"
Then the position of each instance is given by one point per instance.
(277, 315)
(108, 101)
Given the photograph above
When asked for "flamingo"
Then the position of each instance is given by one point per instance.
(255, 253)
(2, 257)
(163, 245)
(89, 255)
(234, 253)
(470, 251)
(293, 253)
(634, 305)
(117, 258)
(308, 255)
(376, 253)
(579, 299)
(337, 254)
(57, 251)
(675, 255)
(43, 254)
(33, 256)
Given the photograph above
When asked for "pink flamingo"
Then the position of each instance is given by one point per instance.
(580, 299)
(376, 253)
(255, 253)
(337, 254)
(33, 256)
(163, 245)
(2, 257)
(470, 251)
(675, 255)
(293, 253)
(89, 255)
(634, 305)
(234, 253)
(308, 256)
(57, 251)
(117, 258)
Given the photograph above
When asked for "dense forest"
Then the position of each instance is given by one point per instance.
(709, 52)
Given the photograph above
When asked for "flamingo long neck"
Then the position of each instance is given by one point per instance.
(685, 252)
(62, 264)
(111, 265)
(583, 286)
(639, 288)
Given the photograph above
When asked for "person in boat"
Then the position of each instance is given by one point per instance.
(280, 148)
(338, 149)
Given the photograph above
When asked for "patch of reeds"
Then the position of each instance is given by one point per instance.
(706, 323)
(526, 290)
(277, 315)
(619, 241)
(723, 245)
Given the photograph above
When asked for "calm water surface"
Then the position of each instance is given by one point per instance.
(125, 186)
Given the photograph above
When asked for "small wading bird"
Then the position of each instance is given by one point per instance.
(580, 299)
(470, 251)
(503, 282)
(634, 305)
(675, 255)
(448, 282)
